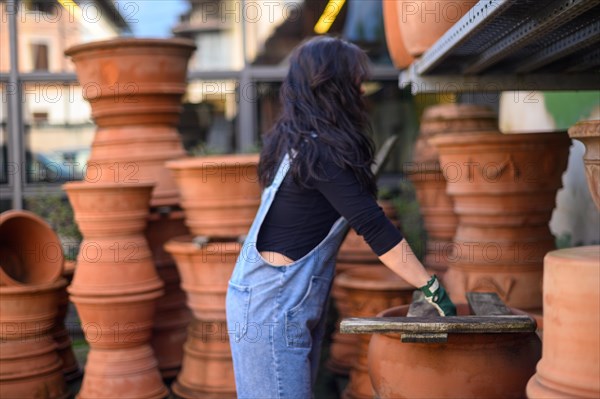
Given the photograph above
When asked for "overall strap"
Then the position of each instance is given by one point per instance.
(282, 170)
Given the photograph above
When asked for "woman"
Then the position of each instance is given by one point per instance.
(315, 167)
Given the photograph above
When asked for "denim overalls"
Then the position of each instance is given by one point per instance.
(276, 314)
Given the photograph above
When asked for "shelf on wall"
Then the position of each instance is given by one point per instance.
(514, 45)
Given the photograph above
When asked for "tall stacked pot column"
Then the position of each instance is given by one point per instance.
(570, 363)
(115, 289)
(437, 207)
(504, 189)
(134, 87)
(220, 196)
(31, 291)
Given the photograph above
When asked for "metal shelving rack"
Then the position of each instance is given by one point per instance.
(514, 45)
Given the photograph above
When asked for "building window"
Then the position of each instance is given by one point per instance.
(39, 56)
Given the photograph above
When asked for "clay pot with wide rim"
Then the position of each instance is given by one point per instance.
(570, 363)
(134, 87)
(504, 189)
(220, 194)
(493, 365)
(31, 366)
(370, 289)
(30, 251)
(401, 58)
(588, 132)
(423, 23)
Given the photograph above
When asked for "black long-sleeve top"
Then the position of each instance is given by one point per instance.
(300, 218)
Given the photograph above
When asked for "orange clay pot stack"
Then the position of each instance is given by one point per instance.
(31, 290)
(115, 289)
(369, 290)
(220, 196)
(473, 365)
(354, 252)
(422, 23)
(134, 87)
(570, 364)
(504, 188)
(426, 175)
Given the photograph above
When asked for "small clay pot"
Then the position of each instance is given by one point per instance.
(401, 58)
(467, 366)
(30, 251)
(219, 194)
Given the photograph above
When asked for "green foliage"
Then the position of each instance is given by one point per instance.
(57, 211)
(409, 215)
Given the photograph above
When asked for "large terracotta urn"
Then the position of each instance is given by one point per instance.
(422, 23)
(468, 365)
(369, 290)
(504, 189)
(588, 132)
(220, 194)
(570, 363)
(205, 269)
(401, 58)
(30, 251)
(134, 87)
(115, 289)
(425, 173)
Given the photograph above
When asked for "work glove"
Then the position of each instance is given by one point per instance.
(436, 295)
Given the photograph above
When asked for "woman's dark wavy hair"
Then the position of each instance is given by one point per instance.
(321, 95)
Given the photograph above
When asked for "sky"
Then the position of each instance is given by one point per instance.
(152, 18)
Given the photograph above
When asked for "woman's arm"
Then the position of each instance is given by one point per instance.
(402, 260)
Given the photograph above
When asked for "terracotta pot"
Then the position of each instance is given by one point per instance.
(354, 248)
(391, 21)
(570, 363)
(220, 194)
(205, 273)
(504, 189)
(423, 23)
(30, 251)
(30, 310)
(588, 132)
(126, 373)
(207, 370)
(31, 368)
(172, 314)
(467, 366)
(134, 87)
(370, 290)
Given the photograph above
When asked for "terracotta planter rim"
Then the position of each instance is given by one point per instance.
(209, 161)
(580, 254)
(185, 245)
(445, 112)
(360, 278)
(586, 128)
(102, 300)
(130, 42)
(483, 138)
(85, 185)
(33, 288)
(137, 288)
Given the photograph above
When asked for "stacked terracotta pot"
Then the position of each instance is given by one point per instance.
(504, 188)
(369, 290)
(437, 207)
(135, 87)
(393, 36)
(31, 292)
(220, 196)
(570, 363)
(115, 289)
(354, 252)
